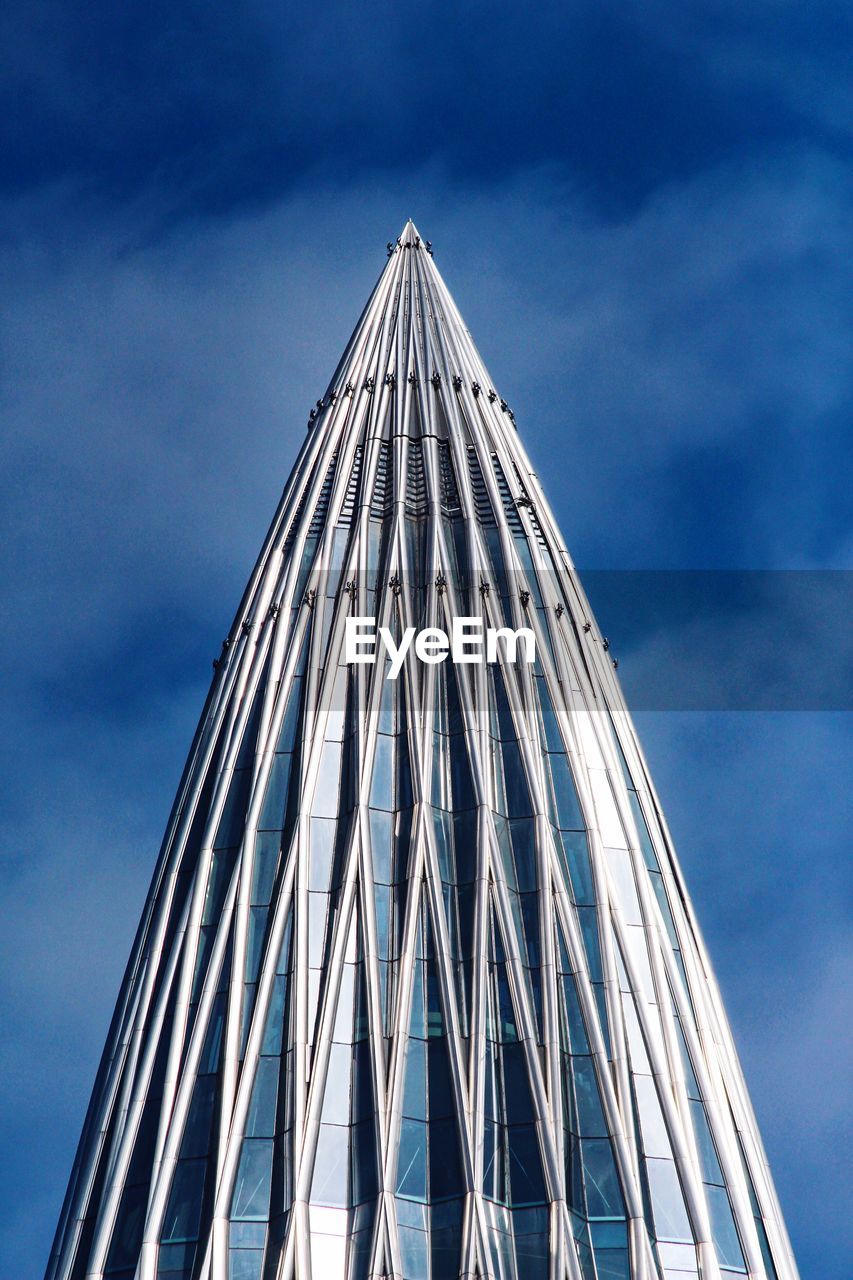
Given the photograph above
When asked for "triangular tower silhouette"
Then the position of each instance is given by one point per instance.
(418, 991)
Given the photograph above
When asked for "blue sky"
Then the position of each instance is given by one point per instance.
(644, 213)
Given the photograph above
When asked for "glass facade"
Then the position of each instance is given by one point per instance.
(418, 990)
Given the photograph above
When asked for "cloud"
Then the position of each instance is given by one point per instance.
(759, 809)
(728, 641)
(676, 370)
(770, 49)
(216, 112)
(681, 358)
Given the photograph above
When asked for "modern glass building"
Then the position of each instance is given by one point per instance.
(418, 990)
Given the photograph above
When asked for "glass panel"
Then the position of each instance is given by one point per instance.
(610, 1246)
(247, 1235)
(711, 1171)
(290, 723)
(494, 1160)
(127, 1236)
(551, 733)
(336, 1098)
(517, 793)
(255, 940)
(275, 1017)
(275, 798)
(414, 1087)
(329, 1185)
(317, 908)
(571, 1004)
(655, 1137)
(566, 806)
(444, 1173)
(446, 1238)
(723, 1229)
(524, 853)
(184, 1209)
(575, 855)
(525, 1165)
(343, 1013)
(232, 821)
(260, 1122)
(217, 884)
(626, 888)
(678, 1257)
(604, 1198)
(245, 1264)
(263, 873)
(649, 855)
(691, 1084)
(365, 1179)
(380, 843)
(196, 1137)
(516, 1087)
(611, 1261)
(440, 1088)
(326, 792)
(175, 1261)
(411, 1161)
(382, 901)
(588, 921)
(590, 1117)
(322, 845)
(671, 1221)
(252, 1188)
(414, 1248)
(381, 787)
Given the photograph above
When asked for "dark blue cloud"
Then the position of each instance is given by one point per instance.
(216, 109)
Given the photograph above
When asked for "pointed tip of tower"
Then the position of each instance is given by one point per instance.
(409, 232)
